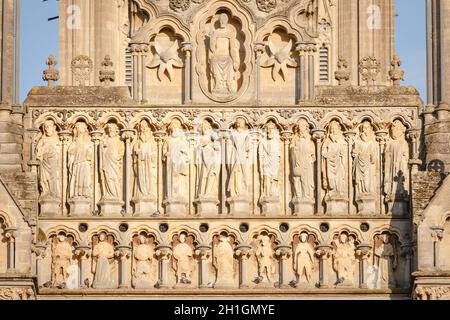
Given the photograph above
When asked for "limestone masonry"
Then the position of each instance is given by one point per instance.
(226, 148)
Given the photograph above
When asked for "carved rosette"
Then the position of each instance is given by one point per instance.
(369, 68)
(266, 5)
(179, 5)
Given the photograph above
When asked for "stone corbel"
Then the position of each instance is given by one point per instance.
(203, 253)
(163, 252)
(243, 252)
(323, 252)
(123, 253)
(363, 253)
(318, 135)
(127, 137)
(283, 252)
(186, 48)
(11, 235)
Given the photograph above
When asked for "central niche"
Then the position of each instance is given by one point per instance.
(223, 61)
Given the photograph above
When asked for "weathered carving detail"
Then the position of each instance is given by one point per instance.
(223, 261)
(432, 293)
(396, 74)
(385, 260)
(51, 74)
(64, 271)
(266, 5)
(304, 258)
(166, 57)
(265, 256)
(179, 5)
(369, 68)
(107, 74)
(183, 258)
(344, 258)
(343, 73)
(81, 70)
(103, 263)
(144, 266)
(16, 294)
(280, 59)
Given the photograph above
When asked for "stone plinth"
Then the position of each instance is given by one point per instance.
(50, 207)
(144, 207)
(111, 207)
(303, 207)
(80, 207)
(270, 206)
(239, 206)
(176, 207)
(366, 205)
(336, 206)
(207, 207)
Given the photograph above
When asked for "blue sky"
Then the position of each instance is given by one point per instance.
(40, 38)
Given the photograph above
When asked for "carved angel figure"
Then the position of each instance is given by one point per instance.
(385, 259)
(166, 57)
(48, 152)
(280, 58)
(266, 262)
(304, 258)
(103, 262)
(183, 255)
(61, 260)
(344, 258)
(143, 252)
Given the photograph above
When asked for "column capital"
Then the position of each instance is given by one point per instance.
(363, 251)
(287, 136)
(96, 136)
(186, 47)
(64, 136)
(122, 252)
(163, 252)
(203, 251)
(407, 250)
(160, 136)
(437, 233)
(323, 252)
(318, 134)
(258, 48)
(350, 136)
(11, 234)
(283, 252)
(82, 251)
(243, 251)
(39, 250)
(127, 134)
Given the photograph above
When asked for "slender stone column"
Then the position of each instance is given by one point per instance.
(163, 252)
(255, 135)
(243, 252)
(33, 163)
(437, 234)
(159, 138)
(311, 70)
(82, 252)
(363, 253)
(135, 55)
(283, 252)
(318, 135)
(39, 251)
(382, 136)
(10, 235)
(203, 253)
(259, 50)
(96, 136)
(407, 253)
(286, 137)
(186, 47)
(302, 72)
(225, 136)
(127, 136)
(123, 253)
(350, 138)
(64, 137)
(414, 135)
(193, 137)
(144, 50)
(324, 253)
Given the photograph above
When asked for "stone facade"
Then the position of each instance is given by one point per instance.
(224, 147)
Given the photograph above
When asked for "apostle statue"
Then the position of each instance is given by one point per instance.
(344, 258)
(143, 254)
(208, 162)
(269, 161)
(266, 262)
(103, 262)
(303, 157)
(385, 259)
(111, 158)
(176, 160)
(304, 258)
(224, 58)
(334, 150)
(48, 152)
(239, 160)
(80, 161)
(183, 255)
(396, 178)
(144, 160)
(61, 261)
(223, 261)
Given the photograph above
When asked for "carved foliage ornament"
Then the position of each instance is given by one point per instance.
(369, 68)
(81, 69)
(266, 5)
(179, 5)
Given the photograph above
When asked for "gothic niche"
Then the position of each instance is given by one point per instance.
(223, 260)
(305, 264)
(208, 155)
(144, 262)
(104, 264)
(334, 168)
(385, 261)
(302, 152)
(344, 259)
(165, 64)
(279, 63)
(65, 266)
(145, 159)
(222, 58)
(396, 170)
(183, 262)
(49, 155)
(3, 248)
(111, 156)
(263, 246)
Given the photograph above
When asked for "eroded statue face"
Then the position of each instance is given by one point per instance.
(175, 125)
(144, 127)
(304, 237)
(49, 128)
(271, 129)
(206, 126)
(182, 238)
(335, 128)
(80, 129)
(223, 20)
(241, 124)
(112, 130)
(398, 130)
(61, 238)
(366, 131)
(102, 237)
(385, 238)
(343, 238)
(303, 128)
